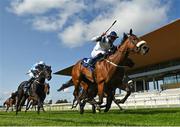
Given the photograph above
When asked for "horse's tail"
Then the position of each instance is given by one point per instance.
(66, 85)
(4, 104)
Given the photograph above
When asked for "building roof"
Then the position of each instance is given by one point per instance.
(164, 46)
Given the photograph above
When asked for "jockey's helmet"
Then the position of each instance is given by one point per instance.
(113, 36)
(41, 62)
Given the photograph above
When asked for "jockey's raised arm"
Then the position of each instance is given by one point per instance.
(104, 43)
(98, 38)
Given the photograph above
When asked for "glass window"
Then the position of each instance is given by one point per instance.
(170, 79)
(160, 82)
(151, 86)
(178, 78)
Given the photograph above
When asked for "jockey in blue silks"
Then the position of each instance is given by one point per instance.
(34, 73)
(104, 46)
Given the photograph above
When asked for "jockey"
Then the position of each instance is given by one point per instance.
(104, 46)
(34, 73)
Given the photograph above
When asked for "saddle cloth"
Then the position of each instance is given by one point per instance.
(85, 63)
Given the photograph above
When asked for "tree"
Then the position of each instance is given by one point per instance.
(61, 101)
(50, 101)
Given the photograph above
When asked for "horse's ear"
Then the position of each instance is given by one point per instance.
(124, 35)
(130, 32)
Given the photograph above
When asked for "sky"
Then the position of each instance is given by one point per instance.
(58, 32)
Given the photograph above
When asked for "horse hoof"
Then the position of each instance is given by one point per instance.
(106, 110)
(81, 111)
(98, 107)
(121, 101)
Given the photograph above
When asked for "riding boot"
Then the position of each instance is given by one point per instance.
(93, 61)
(28, 85)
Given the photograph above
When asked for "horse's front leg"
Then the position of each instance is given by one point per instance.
(110, 96)
(27, 105)
(18, 103)
(116, 102)
(76, 94)
(7, 108)
(125, 98)
(83, 97)
(43, 109)
(100, 93)
(128, 90)
(11, 107)
(73, 104)
(39, 105)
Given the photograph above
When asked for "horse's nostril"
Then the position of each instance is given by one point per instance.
(145, 47)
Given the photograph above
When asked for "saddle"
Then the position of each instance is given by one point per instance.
(86, 63)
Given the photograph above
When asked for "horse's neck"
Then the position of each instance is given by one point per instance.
(45, 89)
(119, 56)
(41, 79)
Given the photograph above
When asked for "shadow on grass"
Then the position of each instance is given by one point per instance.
(144, 111)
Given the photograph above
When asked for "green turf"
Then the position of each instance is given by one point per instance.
(143, 117)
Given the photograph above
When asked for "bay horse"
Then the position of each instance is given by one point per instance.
(11, 101)
(36, 90)
(107, 74)
(34, 103)
(127, 63)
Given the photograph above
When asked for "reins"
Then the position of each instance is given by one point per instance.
(120, 66)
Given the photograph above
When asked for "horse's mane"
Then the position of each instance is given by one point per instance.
(118, 46)
(125, 37)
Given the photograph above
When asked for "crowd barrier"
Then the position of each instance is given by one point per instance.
(155, 99)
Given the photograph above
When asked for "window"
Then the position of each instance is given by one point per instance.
(178, 78)
(170, 79)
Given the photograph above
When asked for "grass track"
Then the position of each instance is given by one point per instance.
(137, 117)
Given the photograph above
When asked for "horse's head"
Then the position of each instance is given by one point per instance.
(47, 71)
(135, 44)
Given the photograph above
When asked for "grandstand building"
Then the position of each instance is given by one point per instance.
(160, 68)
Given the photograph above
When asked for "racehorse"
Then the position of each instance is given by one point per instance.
(36, 90)
(34, 103)
(127, 63)
(107, 73)
(10, 101)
